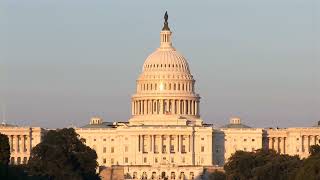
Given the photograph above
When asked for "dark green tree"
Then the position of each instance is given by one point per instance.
(63, 156)
(240, 165)
(217, 175)
(310, 169)
(4, 149)
(4, 156)
(314, 150)
(261, 165)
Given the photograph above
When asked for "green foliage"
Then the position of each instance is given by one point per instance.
(261, 165)
(315, 150)
(4, 149)
(62, 155)
(4, 156)
(310, 169)
(217, 175)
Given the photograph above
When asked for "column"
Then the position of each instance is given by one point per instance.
(145, 107)
(11, 142)
(161, 147)
(139, 142)
(181, 143)
(152, 108)
(284, 145)
(270, 143)
(135, 108)
(192, 148)
(189, 107)
(179, 106)
(185, 107)
(308, 143)
(189, 145)
(275, 144)
(178, 146)
(151, 143)
(23, 142)
(302, 144)
(132, 108)
(196, 108)
(28, 148)
(17, 143)
(142, 143)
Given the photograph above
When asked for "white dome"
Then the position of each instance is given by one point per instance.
(166, 60)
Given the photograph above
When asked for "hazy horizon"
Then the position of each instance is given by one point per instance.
(62, 62)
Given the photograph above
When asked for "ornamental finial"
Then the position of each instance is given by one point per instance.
(166, 25)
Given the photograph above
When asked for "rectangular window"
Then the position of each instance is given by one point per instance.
(164, 149)
(253, 140)
(156, 160)
(126, 148)
(245, 140)
(183, 150)
(104, 140)
(145, 160)
(202, 139)
(112, 161)
(172, 148)
(112, 149)
(104, 160)
(202, 148)
(126, 160)
(104, 149)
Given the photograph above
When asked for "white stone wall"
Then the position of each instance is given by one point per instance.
(21, 141)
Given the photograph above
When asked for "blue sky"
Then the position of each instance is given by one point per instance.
(62, 62)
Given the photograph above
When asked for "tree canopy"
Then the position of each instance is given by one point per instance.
(62, 155)
(311, 166)
(262, 164)
(4, 149)
(4, 156)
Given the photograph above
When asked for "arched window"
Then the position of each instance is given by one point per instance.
(178, 87)
(169, 86)
(155, 86)
(174, 86)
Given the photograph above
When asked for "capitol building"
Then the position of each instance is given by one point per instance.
(165, 137)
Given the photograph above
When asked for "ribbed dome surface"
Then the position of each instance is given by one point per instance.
(166, 60)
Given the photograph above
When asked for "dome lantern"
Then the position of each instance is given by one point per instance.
(165, 35)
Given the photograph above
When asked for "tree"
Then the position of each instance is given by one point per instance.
(261, 165)
(4, 149)
(314, 150)
(4, 156)
(239, 165)
(310, 169)
(62, 155)
(217, 175)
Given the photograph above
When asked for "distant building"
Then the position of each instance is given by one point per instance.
(21, 140)
(234, 137)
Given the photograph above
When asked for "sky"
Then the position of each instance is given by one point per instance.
(62, 62)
